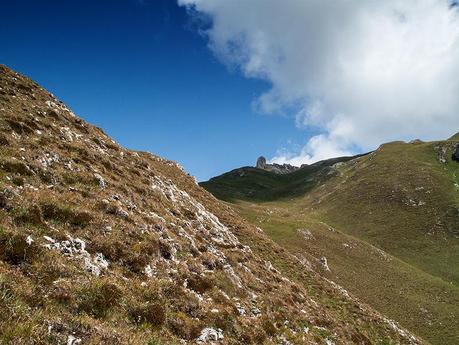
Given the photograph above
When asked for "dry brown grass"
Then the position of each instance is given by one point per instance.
(140, 217)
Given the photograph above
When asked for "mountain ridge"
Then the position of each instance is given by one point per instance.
(274, 167)
(260, 184)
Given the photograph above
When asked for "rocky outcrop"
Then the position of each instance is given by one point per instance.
(443, 152)
(455, 156)
(274, 167)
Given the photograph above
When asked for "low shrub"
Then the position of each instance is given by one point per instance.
(18, 180)
(16, 167)
(65, 214)
(28, 216)
(98, 298)
(3, 140)
(268, 327)
(200, 284)
(184, 327)
(15, 250)
(153, 314)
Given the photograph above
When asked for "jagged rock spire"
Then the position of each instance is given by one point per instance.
(274, 167)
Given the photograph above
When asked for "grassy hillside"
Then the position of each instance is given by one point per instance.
(104, 245)
(388, 225)
(250, 183)
(403, 200)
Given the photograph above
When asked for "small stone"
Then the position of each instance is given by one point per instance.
(255, 311)
(49, 239)
(101, 180)
(122, 213)
(240, 309)
(306, 234)
(29, 240)
(149, 272)
(210, 334)
(100, 261)
(91, 268)
(71, 340)
(324, 262)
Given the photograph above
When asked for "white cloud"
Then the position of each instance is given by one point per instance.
(318, 148)
(362, 72)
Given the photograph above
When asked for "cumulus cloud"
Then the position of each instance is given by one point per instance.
(319, 147)
(357, 72)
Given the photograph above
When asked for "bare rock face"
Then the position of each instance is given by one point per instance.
(275, 168)
(261, 163)
(441, 153)
(455, 156)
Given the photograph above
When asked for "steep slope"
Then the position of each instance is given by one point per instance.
(99, 244)
(411, 191)
(404, 199)
(387, 225)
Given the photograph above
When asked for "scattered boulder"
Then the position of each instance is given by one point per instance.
(255, 311)
(324, 262)
(306, 234)
(240, 309)
(75, 247)
(209, 335)
(101, 181)
(71, 340)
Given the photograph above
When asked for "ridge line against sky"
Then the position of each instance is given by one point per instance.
(193, 80)
(141, 71)
(359, 72)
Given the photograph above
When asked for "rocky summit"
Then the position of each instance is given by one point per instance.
(104, 245)
(275, 168)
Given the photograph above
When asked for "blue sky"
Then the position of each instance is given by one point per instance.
(140, 70)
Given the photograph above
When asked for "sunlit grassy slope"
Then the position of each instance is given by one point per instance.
(387, 222)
